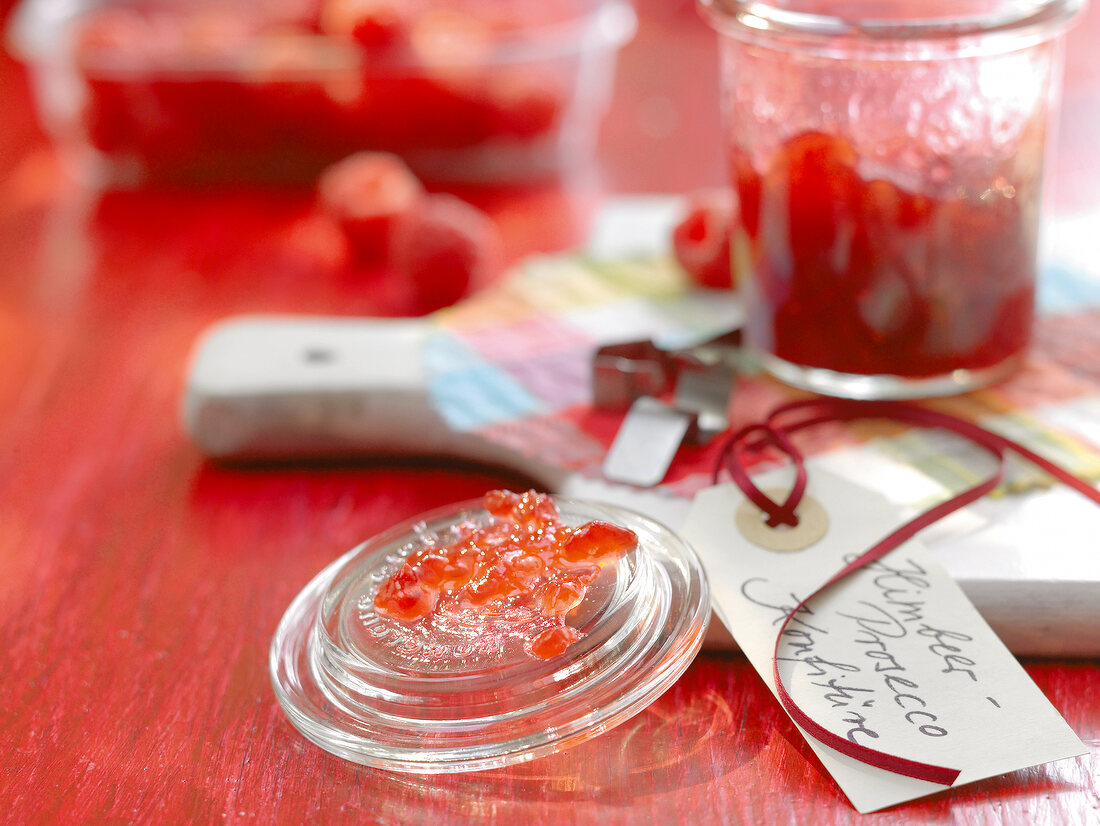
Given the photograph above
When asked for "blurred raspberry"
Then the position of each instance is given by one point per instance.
(373, 24)
(445, 248)
(701, 240)
(368, 193)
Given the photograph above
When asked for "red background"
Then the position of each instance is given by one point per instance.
(140, 586)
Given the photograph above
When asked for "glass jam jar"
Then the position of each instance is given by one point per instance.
(887, 156)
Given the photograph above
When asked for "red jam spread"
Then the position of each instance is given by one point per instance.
(856, 274)
(196, 92)
(525, 556)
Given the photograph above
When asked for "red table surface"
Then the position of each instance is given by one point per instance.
(140, 586)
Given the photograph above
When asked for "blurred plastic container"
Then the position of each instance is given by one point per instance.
(888, 158)
(466, 90)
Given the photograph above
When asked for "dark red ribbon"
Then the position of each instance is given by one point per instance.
(812, 412)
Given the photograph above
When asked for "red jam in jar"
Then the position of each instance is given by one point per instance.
(856, 274)
(524, 558)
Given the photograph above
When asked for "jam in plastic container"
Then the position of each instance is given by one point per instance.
(888, 165)
(157, 91)
(489, 633)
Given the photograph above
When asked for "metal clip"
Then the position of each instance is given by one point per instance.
(634, 374)
(622, 373)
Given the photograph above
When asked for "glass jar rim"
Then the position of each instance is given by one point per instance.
(1011, 22)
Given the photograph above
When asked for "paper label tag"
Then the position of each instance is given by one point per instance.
(894, 657)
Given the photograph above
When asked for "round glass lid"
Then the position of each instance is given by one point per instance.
(488, 633)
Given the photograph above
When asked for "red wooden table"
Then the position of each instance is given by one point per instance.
(140, 586)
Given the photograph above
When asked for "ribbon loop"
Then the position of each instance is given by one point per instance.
(776, 514)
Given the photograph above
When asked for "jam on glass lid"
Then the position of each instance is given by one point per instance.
(488, 633)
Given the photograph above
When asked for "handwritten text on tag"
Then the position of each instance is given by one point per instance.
(893, 657)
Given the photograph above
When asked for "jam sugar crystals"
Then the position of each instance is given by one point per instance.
(524, 566)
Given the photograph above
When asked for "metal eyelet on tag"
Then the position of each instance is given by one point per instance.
(813, 523)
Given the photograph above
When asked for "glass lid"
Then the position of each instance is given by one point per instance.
(488, 633)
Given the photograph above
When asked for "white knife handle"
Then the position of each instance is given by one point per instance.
(295, 386)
